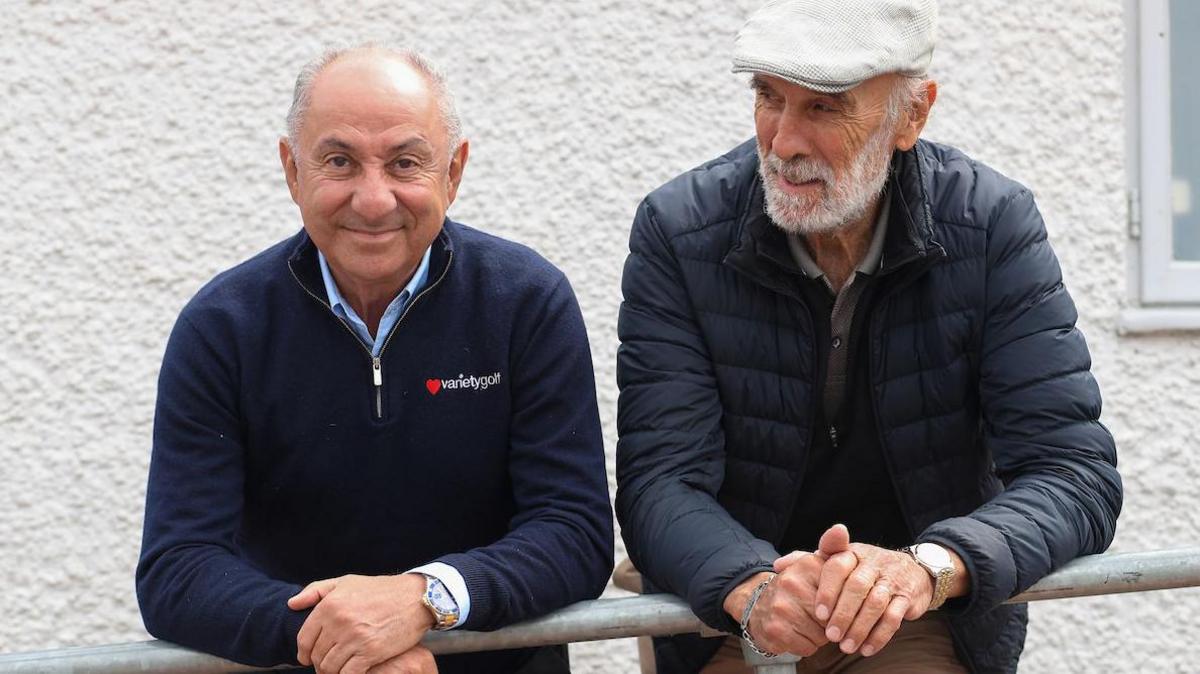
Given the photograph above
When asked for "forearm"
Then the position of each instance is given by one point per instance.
(960, 584)
(193, 586)
(533, 570)
(685, 543)
(211, 601)
(735, 602)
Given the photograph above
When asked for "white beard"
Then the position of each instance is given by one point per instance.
(843, 201)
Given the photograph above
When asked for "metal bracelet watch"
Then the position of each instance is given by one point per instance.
(745, 623)
(440, 603)
(936, 561)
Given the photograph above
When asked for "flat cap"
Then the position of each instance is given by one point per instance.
(834, 45)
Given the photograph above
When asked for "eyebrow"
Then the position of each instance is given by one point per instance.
(335, 143)
(759, 83)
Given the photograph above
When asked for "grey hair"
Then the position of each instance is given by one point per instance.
(302, 94)
(905, 95)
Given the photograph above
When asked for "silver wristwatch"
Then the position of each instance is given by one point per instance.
(936, 560)
(440, 603)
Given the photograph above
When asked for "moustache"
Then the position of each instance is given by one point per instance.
(799, 170)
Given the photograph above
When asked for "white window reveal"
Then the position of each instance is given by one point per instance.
(1169, 107)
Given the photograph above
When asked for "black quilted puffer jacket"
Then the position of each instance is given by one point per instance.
(986, 408)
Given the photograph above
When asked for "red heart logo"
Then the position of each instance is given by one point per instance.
(433, 385)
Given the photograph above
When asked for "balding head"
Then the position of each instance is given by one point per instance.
(413, 60)
(373, 166)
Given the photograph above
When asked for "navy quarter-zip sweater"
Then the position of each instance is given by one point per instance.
(283, 453)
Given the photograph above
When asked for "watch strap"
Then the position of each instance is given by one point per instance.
(941, 587)
(942, 576)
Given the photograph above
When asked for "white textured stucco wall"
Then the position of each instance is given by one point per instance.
(138, 147)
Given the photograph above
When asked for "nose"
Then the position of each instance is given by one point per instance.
(373, 196)
(792, 136)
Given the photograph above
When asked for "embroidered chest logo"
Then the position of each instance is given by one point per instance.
(471, 382)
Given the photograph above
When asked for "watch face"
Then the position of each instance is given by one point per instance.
(933, 555)
(439, 597)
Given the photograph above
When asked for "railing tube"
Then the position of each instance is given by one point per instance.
(653, 615)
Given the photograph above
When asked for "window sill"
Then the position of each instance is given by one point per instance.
(1142, 321)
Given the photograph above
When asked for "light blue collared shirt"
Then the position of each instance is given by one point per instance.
(343, 310)
(448, 575)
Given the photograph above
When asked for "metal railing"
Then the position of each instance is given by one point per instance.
(650, 615)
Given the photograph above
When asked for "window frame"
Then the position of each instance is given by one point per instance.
(1164, 280)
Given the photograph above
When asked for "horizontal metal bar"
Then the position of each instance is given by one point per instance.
(651, 615)
(1115, 573)
(654, 615)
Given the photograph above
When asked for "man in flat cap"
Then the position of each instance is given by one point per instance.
(384, 424)
(842, 339)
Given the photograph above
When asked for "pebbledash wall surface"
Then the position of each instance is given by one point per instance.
(139, 158)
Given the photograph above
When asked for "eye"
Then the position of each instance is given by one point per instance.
(821, 106)
(405, 164)
(766, 97)
(338, 161)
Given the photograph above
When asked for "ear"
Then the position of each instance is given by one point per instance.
(458, 163)
(289, 168)
(912, 127)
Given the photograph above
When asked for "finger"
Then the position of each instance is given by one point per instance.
(357, 664)
(835, 539)
(809, 633)
(779, 634)
(335, 659)
(309, 631)
(850, 600)
(321, 648)
(424, 661)
(311, 594)
(789, 559)
(800, 645)
(415, 661)
(833, 576)
(889, 623)
(876, 603)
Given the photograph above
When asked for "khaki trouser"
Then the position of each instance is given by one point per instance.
(920, 647)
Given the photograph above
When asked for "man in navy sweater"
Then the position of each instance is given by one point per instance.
(383, 425)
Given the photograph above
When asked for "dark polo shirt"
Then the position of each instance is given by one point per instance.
(846, 479)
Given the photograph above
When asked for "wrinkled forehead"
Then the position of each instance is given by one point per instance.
(372, 94)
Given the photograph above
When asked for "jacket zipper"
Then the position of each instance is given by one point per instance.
(377, 379)
(873, 370)
(812, 434)
(955, 630)
(377, 361)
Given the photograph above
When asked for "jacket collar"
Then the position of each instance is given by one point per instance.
(761, 250)
(306, 266)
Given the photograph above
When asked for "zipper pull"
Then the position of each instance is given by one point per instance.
(377, 376)
(833, 436)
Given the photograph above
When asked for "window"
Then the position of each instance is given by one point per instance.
(1168, 195)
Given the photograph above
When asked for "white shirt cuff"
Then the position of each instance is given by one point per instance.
(455, 585)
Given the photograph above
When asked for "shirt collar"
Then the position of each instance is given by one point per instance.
(870, 261)
(336, 300)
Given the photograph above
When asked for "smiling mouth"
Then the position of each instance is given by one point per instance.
(373, 232)
(805, 184)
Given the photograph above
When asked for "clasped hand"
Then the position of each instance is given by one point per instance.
(852, 594)
(364, 625)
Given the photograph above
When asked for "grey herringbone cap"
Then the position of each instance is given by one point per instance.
(833, 45)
